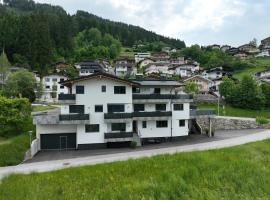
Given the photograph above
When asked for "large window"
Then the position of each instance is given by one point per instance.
(98, 108)
(157, 91)
(138, 107)
(178, 107)
(76, 109)
(162, 124)
(160, 107)
(90, 128)
(116, 108)
(119, 127)
(182, 123)
(79, 89)
(136, 90)
(144, 124)
(119, 90)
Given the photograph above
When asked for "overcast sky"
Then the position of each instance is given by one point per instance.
(203, 22)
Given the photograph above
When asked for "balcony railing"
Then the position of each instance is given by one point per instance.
(202, 112)
(118, 135)
(117, 115)
(73, 117)
(162, 96)
(153, 114)
(66, 97)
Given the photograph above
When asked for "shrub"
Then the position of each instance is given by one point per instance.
(133, 144)
(15, 116)
(262, 120)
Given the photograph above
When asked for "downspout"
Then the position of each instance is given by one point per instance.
(171, 111)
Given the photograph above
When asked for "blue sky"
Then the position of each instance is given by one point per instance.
(203, 22)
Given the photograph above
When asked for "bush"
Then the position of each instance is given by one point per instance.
(133, 144)
(15, 116)
(262, 120)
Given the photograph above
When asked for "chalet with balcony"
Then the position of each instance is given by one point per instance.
(125, 67)
(90, 67)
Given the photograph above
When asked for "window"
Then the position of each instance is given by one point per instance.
(90, 128)
(138, 107)
(144, 124)
(47, 79)
(178, 107)
(119, 127)
(79, 89)
(135, 90)
(116, 108)
(103, 88)
(182, 123)
(62, 87)
(99, 108)
(157, 91)
(62, 79)
(162, 124)
(160, 107)
(47, 87)
(119, 90)
(54, 79)
(76, 109)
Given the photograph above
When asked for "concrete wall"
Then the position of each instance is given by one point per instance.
(230, 123)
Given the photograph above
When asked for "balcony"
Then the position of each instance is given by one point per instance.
(156, 115)
(118, 137)
(118, 115)
(201, 113)
(74, 117)
(137, 98)
(67, 98)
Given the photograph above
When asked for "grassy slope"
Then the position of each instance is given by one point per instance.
(12, 150)
(260, 65)
(237, 112)
(126, 52)
(241, 172)
(42, 108)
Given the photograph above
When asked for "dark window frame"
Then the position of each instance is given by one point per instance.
(160, 107)
(119, 89)
(112, 108)
(92, 128)
(120, 127)
(139, 108)
(79, 109)
(178, 107)
(136, 90)
(162, 124)
(79, 89)
(99, 108)
(157, 90)
(144, 124)
(103, 88)
(182, 123)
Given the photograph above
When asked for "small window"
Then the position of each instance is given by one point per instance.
(103, 88)
(62, 87)
(138, 107)
(116, 108)
(136, 90)
(157, 91)
(182, 123)
(119, 90)
(119, 127)
(76, 109)
(47, 87)
(91, 128)
(144, 124)
(178, 107)
(162, 124)
(99, 108)
(79, 89)
(62, 79)
(54, 79)
(160, 107)
(47, 79)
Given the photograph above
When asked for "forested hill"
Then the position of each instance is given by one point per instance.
(37, 34)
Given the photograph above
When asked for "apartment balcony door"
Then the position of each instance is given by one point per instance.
(135, 127)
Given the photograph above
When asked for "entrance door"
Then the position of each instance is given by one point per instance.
(63, 142)
(135, 128)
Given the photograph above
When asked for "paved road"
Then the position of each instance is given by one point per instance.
(105, 158)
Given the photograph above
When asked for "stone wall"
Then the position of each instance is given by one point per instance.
(231, 123)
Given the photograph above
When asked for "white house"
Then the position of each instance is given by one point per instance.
(103, 109)
(125, 67)
(186, 70)
(141, 56)
(48, 83)
(86, 68)
(215, 73)
(263, 76)
(145, 62)
(158, 68)
(203, 83)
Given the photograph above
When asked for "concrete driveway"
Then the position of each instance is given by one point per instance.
(81, 158)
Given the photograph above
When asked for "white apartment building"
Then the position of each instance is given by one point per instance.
(102, 109)
(48, 83)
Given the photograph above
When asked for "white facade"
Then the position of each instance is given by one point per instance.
(48, 83)
(186, 70)
(141, 56)
(263, 53)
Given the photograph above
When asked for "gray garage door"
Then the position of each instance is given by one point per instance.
(58, 141)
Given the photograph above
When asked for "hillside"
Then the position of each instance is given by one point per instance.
(36, 35)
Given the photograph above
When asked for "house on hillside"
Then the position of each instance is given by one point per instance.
(204, 84)
(61, 66)
(186, 70)
(177, 60)
(48, 83)
(263, 76)
(145, 62)
(160, 56)
(264, 48)
(225, 48)
(215, 46)
(249, 49)
(158, 68)
(102, 109)
(215, 73)
(141, 56)
(125, 67)
(86, 68)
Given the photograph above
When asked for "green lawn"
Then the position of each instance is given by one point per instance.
(12, 150)
(237, 112)
(260, 65)
(42, 108)
(241, 172)
(127, 52)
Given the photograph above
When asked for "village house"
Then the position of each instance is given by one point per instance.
(215, 46)
(145, 62)
(86, 68)
(125, 67)
(263, 76)
(186, 70)
(214, 73)
(141, 56)
(264, 48)
(225, 48)
(61, 66)
(203, 84)
(51, 87)
(102, 109)
(158, 68)
(177, 60)
(249, 49)
(160, 56)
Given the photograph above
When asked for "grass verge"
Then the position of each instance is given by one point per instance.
(241, 172)
(40, 108)
(12, 150)
(236, 112)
